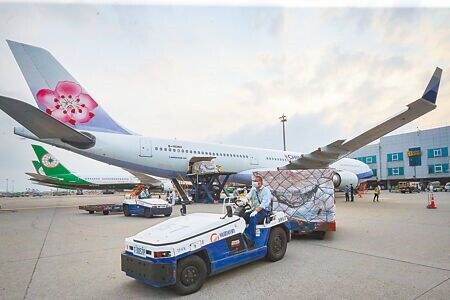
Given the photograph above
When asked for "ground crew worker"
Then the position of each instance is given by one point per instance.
(376, 192)
(143, 194)
(173, 197)
(352, 192)
(259, 198)
(347, 191)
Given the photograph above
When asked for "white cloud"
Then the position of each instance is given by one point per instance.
(227, 73)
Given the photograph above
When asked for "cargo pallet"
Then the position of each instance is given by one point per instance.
(103, 208)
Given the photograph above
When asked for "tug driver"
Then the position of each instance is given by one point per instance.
(259, 198)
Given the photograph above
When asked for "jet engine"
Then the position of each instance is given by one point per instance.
(343, 178)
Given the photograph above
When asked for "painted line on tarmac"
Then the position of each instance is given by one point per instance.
(383, 257)
(431, 289)
(39, 256)
(62, 254)
(43, 207)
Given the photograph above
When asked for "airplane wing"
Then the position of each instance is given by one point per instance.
(145, 179)
(41, 124)
(324, 156)
(55, 182)
(46, 180)
(49, 184)
(43, 178)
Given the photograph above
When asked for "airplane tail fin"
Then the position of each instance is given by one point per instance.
(50, 165)
(58, 93)
(37, 166)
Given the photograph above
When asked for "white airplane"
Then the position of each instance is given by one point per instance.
(51, 172)
(69, 118)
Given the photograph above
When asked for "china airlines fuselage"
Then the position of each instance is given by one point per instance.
(170, 158)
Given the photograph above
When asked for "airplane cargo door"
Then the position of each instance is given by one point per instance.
(145, 147)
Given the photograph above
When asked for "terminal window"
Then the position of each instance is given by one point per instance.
(395, 156)
(437, 152)
(396, 171)
(438, 168)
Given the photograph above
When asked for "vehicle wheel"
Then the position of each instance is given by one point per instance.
(166, 215)
(91, 212)
(276, 247)
(126, 210)
(191, 274)
(147, 213)
(318, 234)
(106, 212)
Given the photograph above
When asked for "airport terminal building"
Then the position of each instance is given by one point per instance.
(416, 156)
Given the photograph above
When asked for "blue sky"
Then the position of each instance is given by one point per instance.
(226, 73)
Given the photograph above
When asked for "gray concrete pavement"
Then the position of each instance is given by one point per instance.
(395, 249)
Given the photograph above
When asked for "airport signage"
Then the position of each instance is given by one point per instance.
(414, 153)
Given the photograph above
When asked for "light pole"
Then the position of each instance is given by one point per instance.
(6, 185)
(283, 120)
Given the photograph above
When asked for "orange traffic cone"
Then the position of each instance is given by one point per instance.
(431, 203)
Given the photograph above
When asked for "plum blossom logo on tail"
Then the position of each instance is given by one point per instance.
(67, 103)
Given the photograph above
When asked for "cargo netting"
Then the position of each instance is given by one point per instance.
(303, 195)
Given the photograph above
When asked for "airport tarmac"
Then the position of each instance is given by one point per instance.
(394, 249)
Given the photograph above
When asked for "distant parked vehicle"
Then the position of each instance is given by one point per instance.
(447, 187)
(437, 187)
(409, 187)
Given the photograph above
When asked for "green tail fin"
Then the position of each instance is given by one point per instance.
(50, 165)
(37, 165)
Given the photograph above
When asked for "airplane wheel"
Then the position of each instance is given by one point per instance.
(126, 210)
(147, 213)
(191, 274)
(276, 247)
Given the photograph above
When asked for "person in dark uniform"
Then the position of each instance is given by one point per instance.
(347, 192)
(352, 192)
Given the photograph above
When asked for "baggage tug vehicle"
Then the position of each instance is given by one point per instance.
(183, 251)
(146, 207)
